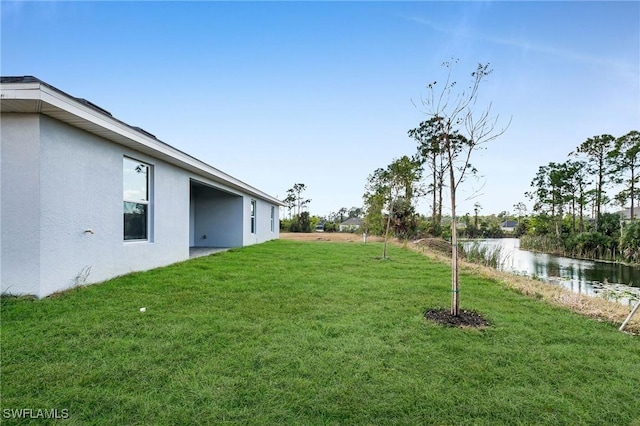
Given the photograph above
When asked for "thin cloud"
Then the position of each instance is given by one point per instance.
(427, 23)
(16, 12)
(627, 69)
(459, 30)
(554, 51)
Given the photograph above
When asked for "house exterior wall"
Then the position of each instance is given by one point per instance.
(58, 182)
(20, 193)
(263, 222)
(79, 189)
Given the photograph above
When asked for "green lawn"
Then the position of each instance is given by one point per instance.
(311, 333)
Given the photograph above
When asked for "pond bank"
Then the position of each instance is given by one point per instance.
(613, 281)
(435, 248)
(593, 307)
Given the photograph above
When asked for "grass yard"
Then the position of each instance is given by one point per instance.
(311, 333)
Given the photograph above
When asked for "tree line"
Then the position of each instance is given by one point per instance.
(297, 205)
(569, 199)
(298, 218)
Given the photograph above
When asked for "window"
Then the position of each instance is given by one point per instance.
(273, 218)
(136, 199)
(253, 216)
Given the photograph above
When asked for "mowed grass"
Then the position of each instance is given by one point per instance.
(311, 333)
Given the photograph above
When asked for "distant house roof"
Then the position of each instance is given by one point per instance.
(353, 221)
(28, 94)
(509, 224)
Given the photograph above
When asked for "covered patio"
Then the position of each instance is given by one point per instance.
(215, 220)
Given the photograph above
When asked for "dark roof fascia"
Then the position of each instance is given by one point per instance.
(21, 79)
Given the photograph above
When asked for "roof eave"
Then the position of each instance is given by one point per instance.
(37, 97)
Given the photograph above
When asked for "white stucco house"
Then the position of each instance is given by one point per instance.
(351, 225)
(86, 197)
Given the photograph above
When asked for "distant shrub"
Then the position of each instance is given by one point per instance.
(299, 223)
(630, 242)
(330, 227)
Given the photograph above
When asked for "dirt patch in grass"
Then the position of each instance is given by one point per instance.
(463, 319)
(434, 244)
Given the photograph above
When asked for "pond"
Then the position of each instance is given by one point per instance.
(612, 281)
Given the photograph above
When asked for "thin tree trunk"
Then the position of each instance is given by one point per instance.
(434, 218)
(599, 196)
(581, 205)
(440, 186)
(632, 194)
(573, 214)
(581, 213)
(439, 207)
(386, 234)
(455, 287)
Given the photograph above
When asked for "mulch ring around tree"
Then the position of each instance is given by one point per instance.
(465, 319)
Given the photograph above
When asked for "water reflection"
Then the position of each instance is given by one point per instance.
(611, 280)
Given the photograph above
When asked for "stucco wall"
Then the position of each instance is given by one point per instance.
(20, 221)
(58, 182)
(263, 221)
(81, 189)
(1, 205)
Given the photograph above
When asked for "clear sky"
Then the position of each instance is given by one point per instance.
(323, 93)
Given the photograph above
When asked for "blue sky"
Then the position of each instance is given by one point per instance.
(323, 93)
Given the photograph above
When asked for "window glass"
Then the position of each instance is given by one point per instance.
(135, 180)
(135, 193)
(135, 221)
(253, 216)
(273, 218)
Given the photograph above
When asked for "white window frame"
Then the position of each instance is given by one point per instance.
(146, 202)
(273, 219)
(253, 215)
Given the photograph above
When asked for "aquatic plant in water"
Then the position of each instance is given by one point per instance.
(482, 254)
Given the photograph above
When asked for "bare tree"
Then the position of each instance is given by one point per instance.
(300, 202)
(463, 128)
